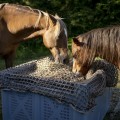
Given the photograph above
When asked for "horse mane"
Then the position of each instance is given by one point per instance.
(50, 19)
(101, 42)
(23, 8)
(19, 7)
(62, 24)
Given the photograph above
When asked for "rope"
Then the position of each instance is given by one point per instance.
(38, 20)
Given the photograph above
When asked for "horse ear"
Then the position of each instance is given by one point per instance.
(57, 17)
(77, 42)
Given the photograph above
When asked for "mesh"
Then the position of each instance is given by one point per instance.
(57, 81)
(110, 70)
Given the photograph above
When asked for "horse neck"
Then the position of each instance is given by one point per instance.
(43, 22)
(18, 20)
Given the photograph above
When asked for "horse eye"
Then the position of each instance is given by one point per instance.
(75, 56)
(50, 48)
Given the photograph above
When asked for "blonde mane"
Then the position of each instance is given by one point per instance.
(62, 24)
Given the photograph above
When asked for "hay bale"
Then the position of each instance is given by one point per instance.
(57, 81)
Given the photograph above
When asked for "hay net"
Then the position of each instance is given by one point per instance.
(57, 81)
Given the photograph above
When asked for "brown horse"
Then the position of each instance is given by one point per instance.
(101, 42)
(20, 23)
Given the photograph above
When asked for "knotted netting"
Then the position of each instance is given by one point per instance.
(57, 81)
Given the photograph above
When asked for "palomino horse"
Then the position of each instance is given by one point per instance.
(102, 42)
(20, 23)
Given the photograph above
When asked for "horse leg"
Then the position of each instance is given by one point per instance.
(9, 58)
(64, 55)
(56, 54)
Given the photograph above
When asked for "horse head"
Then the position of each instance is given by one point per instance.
(80, 56)
(100, 42)
(55, 39)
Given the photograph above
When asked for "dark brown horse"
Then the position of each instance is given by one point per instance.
(20, 23)
(102, 42)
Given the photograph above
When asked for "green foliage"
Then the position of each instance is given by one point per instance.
(109, 12)
(32, 49)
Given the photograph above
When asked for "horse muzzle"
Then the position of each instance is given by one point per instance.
(61, 59)
(77, 73)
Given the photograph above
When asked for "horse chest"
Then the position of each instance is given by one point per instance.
(6, 48)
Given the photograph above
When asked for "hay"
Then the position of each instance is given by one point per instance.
(47, 78)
